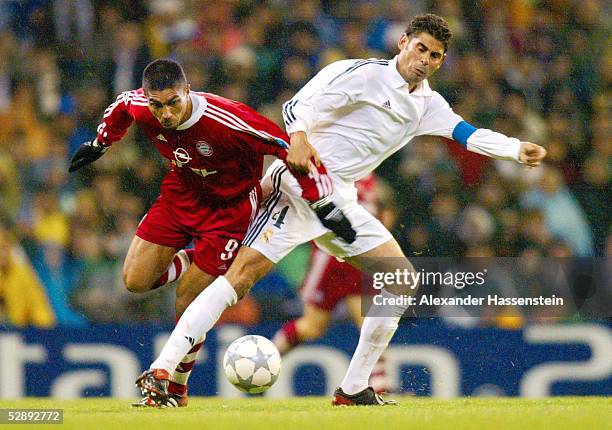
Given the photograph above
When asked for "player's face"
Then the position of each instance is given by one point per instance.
(420, 56)
(169, 106)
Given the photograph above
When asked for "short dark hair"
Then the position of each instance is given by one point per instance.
(163, 73)
(432, 24)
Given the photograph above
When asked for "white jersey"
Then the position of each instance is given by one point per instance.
(356, 113)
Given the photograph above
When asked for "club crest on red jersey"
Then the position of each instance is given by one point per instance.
(204, 148)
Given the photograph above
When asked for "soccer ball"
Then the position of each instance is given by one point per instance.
(252, 364)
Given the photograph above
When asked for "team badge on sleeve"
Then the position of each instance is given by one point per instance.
(204, 148)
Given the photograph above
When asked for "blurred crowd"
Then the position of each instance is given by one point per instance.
(537, 70)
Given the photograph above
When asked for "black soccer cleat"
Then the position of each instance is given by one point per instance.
(367, 397)
(153, 383)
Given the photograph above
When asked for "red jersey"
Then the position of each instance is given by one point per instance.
(216, 155)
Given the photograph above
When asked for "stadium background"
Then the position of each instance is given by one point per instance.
(537, 70)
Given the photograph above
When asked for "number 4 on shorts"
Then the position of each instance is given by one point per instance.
(279, 217)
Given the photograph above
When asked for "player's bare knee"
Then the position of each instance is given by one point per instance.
(134, 283)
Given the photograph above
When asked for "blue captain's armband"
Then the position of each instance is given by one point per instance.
(462, 132)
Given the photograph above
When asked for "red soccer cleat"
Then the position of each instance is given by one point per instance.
(153, 383)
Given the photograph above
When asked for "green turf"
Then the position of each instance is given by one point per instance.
(572, 413)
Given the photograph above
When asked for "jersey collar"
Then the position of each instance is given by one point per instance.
(198, 104)
(398, 82)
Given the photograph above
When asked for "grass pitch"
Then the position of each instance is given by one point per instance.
(571, 413)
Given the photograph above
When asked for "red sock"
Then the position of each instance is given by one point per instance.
(179, 265)
(286, 338)
(178, 380)
(178, 389)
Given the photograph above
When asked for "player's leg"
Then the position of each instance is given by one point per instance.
(155, 256)
(141, 273)
(213, 253)
(190, 285)
(203, 312)
(378, 378)
(145, 263)
(313, 293)
(152, 258)
(328, 282)
(313, 324)
(218, 233)
(193, 283)
(378, 326)
(310, 326)
(199, 318)
(275, 232)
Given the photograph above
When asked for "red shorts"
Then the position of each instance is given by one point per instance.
(217, 232)
(328, 281)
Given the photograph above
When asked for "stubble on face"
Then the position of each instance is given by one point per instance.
(171, 106)
(421, 55)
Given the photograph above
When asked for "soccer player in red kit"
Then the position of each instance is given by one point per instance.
(216, 148)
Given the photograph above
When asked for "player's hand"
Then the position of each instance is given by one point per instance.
(87, 153)
(334, 219)
(531, 154)
(300, 154)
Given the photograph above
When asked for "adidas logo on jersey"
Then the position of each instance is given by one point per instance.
(387, 104)
(161, 137)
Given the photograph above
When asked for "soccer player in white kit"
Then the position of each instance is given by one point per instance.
(352, 115)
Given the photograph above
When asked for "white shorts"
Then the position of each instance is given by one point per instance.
(285, 220)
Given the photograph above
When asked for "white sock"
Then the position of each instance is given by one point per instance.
(199, 317)
(376, 332)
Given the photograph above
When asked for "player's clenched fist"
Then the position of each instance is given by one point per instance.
(531, 154)
(300, 154)
(87, 153)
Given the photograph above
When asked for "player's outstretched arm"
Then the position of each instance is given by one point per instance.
(531, 154)
(440, 120)
(87, 153)
(117, 119)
